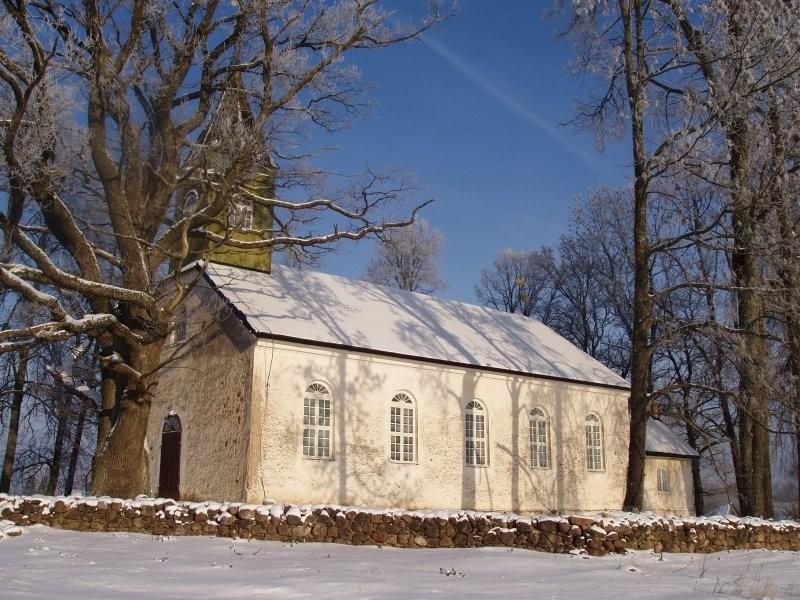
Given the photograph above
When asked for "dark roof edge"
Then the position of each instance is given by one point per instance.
(387, 353)
(672, 455)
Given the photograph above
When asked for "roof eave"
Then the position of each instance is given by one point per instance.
(671, 455)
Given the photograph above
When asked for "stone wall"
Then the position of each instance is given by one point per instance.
(408, 529)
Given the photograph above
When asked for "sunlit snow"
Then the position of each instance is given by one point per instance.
(46, 562)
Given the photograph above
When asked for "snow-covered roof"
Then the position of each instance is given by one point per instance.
(662, 440)
(336, 311)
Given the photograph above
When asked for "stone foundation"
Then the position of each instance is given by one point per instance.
(406, 529)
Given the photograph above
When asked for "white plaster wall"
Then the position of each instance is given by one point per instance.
(361, 472)
(209, 389)
(680, 498)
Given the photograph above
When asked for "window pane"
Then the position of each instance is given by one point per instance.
(308, 442)
(324, 418)
(479, 431)
(480, 453)
(324, 443)
(408, 448)
(308, 412)
(408, 420)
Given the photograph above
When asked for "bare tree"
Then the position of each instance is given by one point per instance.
(407, 259)
(692, 80)
(624, 36)
(111, 111)
(745, 61)
(19, 370)
(518, 282)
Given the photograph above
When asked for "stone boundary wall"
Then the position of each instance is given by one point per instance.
(402, 528)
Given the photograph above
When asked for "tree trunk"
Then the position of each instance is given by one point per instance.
(121, 467)
(691, 438)
(69, 482)
(20, 378)
(639, 401)
(62, 417)
(755, 493)
(793, 327)
(788, 270)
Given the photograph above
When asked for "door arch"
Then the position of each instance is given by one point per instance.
(169, 473)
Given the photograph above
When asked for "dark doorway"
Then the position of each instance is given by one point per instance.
(169, 473)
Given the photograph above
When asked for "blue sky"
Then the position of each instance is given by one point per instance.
(473, 112)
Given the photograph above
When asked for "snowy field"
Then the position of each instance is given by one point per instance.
(52, 563)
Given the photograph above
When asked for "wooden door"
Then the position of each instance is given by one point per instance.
(169, 474)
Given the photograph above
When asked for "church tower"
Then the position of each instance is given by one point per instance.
(228, 126)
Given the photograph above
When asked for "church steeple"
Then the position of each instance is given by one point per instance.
(228, 126)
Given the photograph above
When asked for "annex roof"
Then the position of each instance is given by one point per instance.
(661, 440)
(301, 305)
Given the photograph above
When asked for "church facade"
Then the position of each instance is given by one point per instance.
(303, 387)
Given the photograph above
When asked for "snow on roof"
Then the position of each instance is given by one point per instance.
(662, 440)
(342, 312)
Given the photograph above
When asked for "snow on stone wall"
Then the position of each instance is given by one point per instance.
(613, 532)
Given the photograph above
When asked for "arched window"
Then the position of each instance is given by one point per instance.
(540, 440)
(594, 443)
(402, 429)
(317, 422)
(475, 435)
(663, 480)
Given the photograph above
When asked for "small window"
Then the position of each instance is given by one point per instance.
(402, 429)
(317, 422)
(540, 440)
(241, 216)
(594, 443)
(475, 435)
(180, 326)
(663, 480)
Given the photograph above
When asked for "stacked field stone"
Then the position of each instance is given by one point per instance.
(402, 528)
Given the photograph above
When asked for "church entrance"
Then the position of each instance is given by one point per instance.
(170, 471)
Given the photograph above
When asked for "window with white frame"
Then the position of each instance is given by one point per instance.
(180, 326)
(540, 439)
(402, 429)
(317, 422)
(663, 480)
(475, 435)
(241, 215)
(594, 443)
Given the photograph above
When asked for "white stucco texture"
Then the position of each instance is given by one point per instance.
(361, 472)
(679, 499)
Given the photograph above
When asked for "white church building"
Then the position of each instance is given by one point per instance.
(304, 387)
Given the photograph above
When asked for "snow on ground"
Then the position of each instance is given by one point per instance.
(55, 563)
